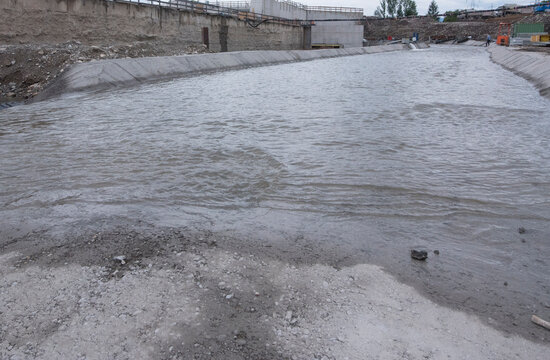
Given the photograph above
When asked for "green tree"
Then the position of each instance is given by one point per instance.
(451, 16)
(433, 9)
(409, 8)
(381, 9)
(400, 9)
(391, 7)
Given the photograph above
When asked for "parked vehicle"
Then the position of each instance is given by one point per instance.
(542, 6)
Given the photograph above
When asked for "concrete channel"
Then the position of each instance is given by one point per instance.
(108, 74)
(532, 66)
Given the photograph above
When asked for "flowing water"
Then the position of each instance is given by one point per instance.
(374, 154)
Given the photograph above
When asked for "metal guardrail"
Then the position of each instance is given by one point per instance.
(241, 5)
(335, 9)
(293, 3)
(211, 9)
(321, 8)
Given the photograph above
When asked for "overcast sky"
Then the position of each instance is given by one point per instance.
(422, 5)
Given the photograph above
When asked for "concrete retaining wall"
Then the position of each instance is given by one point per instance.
(99, 22)
(108, 74)
(532, 66)
(346, 33)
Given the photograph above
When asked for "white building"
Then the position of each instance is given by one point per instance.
(332, 26)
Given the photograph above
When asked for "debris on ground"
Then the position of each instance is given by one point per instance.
(545, 324)
(25, 70)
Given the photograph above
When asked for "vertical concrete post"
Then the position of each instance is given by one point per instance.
(224, 32)
(205, 39)
(306, 41)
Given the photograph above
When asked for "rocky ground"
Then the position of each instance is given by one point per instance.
(474, 28)
(26, 69)
(177, 294)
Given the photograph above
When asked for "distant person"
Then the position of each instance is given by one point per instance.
(488, 40)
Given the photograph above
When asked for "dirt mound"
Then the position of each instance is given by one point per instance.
(26, 69)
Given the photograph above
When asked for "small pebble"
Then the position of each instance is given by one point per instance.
(120, 258)
(288, 315)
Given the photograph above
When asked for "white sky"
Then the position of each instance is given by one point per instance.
(422, 5)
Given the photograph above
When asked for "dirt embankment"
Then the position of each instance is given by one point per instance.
(477, 29)
(26, 69)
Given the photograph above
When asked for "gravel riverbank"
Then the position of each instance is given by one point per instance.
(175, 294)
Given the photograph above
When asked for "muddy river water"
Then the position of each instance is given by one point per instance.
(372, 155)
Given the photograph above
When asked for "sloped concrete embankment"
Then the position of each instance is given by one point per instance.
(532, 66)
(106, 74)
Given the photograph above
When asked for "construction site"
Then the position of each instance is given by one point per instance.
(273, 180)
(53, 34)
(472, 27)
(39, 39)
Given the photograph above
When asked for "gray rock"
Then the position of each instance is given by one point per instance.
(288, 315)
(120, 258)
(419, 254)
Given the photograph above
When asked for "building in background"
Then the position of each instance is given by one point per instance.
(330, 26)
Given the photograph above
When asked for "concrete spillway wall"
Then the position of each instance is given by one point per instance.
(107, 74)
(345, 33)
(341, 32)
(532, 66)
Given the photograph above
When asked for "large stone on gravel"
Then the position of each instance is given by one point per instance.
(419, 254)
